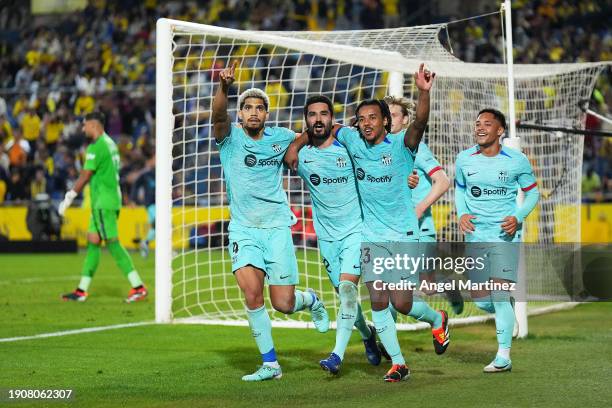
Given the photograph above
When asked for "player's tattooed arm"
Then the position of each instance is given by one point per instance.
(220, 117)
(423, 80)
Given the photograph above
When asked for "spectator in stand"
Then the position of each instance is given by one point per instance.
(30, 127)
(18, 150)
(591, 184)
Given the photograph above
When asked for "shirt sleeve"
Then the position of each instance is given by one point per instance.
(426, 161)
(227, 140)
(346, 135)
(528, 183)
(91, 158)
(526, 178)
(287, 135)
(459, 178)
(460, 202)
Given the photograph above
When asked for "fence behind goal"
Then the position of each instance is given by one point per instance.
(196, 280)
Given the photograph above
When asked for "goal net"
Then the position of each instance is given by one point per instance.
(194, 281)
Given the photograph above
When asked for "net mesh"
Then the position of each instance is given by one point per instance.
(349, 67)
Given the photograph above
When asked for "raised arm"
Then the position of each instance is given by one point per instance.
(220, 118)
(423, 80)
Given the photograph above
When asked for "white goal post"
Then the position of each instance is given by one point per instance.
(192, 269)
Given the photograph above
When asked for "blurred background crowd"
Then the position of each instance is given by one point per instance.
(56, 67)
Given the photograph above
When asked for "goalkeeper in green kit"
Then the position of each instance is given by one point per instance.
(101, 169)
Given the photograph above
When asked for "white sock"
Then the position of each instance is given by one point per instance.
(134, 279)
(504, 352)
(84, 283)
(273, 364)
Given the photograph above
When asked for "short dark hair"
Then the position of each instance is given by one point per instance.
(501, 118)
(318, 99)
(384, 110)
(99, 116)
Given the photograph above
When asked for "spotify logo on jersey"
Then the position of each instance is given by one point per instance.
(476, 191)
(360, 174)
(315, 179)
(250, 160)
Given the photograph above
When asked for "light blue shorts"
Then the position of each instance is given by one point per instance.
(269, 249)
(500, 260)
(341, 257)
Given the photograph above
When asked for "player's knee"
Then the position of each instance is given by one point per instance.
(378, 306)
(253, 299)
(402, 307)
(348, 294)
(283, 305)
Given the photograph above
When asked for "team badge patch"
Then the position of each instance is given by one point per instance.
(503, 175)
(386, 159)
(276, 148)
(340, 162)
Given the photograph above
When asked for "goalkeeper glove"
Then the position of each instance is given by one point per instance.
(70, 196)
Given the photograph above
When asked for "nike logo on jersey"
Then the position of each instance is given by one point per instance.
(284, 277)
(356, 266)
(357, 157)
(308, 161)
(471, 174)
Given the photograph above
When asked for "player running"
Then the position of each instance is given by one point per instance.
(488, 176)
(101, 170)
(328, 173)
(260, 242)
(383, 163)
(431, 184)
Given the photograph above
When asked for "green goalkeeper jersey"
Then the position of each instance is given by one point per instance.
(102, 158)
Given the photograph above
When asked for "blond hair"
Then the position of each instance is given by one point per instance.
(408, 107)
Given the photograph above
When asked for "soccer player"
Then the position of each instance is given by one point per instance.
(260, 242)
(432, 183)
(488, 176)
(328, 173)
(383, 162)
(146, 183)
(101, 170)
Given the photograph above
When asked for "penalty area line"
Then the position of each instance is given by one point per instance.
(76, 331)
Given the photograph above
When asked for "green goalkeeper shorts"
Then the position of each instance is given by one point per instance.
(104, 223)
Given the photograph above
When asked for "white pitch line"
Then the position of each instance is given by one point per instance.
(76, 331)
(38, 280)
(42, 280)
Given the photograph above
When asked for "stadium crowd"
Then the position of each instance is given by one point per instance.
(56, 69)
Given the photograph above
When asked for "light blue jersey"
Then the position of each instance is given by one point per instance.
(490, 186)
(382, 172)
(425, 165)
(328, 174)
(253, 171)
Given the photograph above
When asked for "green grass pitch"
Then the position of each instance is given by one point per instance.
(565, 362)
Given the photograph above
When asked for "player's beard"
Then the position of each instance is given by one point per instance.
(253, 130)
(312, 135)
